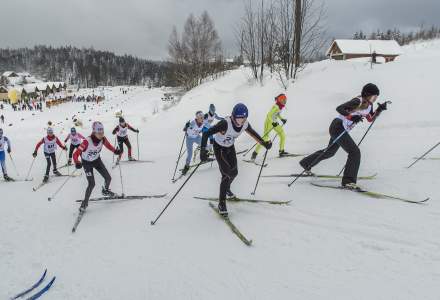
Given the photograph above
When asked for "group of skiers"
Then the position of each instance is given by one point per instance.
(223, 134)
(217, 139)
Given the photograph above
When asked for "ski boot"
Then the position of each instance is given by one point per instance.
(107, 192)
(185, 170)
(351, 186)
(307, 170)
(45, 178)
(283, 153)
(254, 156)
(69, 162)
(222, 209)
(57, 173)
(230, 195)
(131, 158)
(7, 178)
(83, 206)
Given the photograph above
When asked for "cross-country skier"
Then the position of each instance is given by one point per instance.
(209, 118)
(193, 131)
(121, 132)
(350, 113)
(90, 150)
(50, 142)
(75, 140)
(3, 142)
(272, 123)
(225, 132)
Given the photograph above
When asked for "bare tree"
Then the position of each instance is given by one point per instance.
(198, 53)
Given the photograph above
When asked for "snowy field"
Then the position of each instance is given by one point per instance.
(327, 244)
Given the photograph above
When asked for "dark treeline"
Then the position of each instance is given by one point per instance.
(85, 67)
(403, 38)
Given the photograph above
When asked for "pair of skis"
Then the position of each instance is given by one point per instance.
(265, 165)
(130, 162)
(191, 167)
(324, 176)
(370, 193)
(35, 286)
(234, 229)
(36, 188)
(116, 197)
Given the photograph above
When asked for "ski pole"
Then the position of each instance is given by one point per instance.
(319, 156)
(179, 156)
(30, 168)
(122, 183)
(426, 153)
(181, 187)
(13, 163)
(259, 174)
(365, 134)
(61, 186)
(59, 157)
(249, 150)
(114, 146)
(137, 142)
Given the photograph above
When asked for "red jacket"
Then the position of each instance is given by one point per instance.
(50, 138)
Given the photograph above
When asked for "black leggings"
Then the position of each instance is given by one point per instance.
(88, 170)
(126, 141)
(72, 147)
(349, 146)
(49, 157)
(227, 162)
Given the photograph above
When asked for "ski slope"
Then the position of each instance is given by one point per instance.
(327, 244)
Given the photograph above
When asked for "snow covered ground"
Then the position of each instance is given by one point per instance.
(327, 244)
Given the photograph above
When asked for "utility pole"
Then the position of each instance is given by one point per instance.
(297, 38)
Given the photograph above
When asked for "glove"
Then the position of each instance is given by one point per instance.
(356, 118)
(117, 151)
(267, 145)
(381, 107)
(204, 154)
(34, 154)
(78, 165)
(186, 126)
(65, 148)
(9, 150)
(274, 124)
(137, 130)
(284, 121)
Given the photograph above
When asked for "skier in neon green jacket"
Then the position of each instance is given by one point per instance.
(271, 123)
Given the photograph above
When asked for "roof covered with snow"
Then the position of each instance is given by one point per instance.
(9, 73)
(384, 47)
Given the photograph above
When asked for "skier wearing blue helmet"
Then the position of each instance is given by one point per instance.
(225, 132)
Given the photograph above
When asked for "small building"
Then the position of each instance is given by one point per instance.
(3, 94)
(347, 49)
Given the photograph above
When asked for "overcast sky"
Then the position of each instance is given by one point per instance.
(142, 27)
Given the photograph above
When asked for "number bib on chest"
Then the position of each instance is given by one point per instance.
(75, 139)
(227, 139)
(50, 146)
(123, 131)
(92, 152)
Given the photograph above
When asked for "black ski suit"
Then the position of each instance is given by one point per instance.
(226, 156)
(345, 142)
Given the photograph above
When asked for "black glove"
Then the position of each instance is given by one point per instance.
(267, 145)
(9, 150)
(34, 154)
(78, 165)
(137, 130)
(186, 126)
(274, 124)
(117, 151)
(356, 119)
(381, 107)
(204, 154)
(284, 121)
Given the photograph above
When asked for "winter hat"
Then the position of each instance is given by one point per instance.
(281, 100)
(199, 113)
(121, 120)
(97, 127)
(49, 130)
(212, 108)
(73, 130)
(240, 111)
(370, 89)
